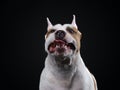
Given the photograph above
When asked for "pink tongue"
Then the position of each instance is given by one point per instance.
(52, 49)
(53, 45)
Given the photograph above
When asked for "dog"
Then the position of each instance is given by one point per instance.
(64, 68)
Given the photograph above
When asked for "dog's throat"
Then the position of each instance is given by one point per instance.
(62, 60)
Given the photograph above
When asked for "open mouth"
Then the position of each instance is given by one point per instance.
(60, 46)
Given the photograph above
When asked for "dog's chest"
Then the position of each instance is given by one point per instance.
(75, 83)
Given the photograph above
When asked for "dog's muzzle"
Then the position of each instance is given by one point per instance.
(60, 45)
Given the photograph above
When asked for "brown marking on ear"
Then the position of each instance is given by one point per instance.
(77, 35)
(75, 29)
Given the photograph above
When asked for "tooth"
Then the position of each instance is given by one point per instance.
(56, 46)
(65, 47)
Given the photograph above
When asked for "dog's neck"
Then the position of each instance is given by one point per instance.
(64, 71)
(63, 64)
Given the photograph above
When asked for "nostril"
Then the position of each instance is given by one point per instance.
(60, 34)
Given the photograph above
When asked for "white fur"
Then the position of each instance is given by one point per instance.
(77, 77)
(51, 79)
(49, 24)
(74, 22)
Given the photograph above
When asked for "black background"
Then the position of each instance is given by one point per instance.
(22, 39)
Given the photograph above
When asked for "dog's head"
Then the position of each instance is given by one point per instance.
(62, 40)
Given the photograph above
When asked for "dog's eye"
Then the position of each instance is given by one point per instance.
(52, 30)
(70, 30)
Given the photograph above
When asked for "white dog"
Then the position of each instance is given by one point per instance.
(64, 67)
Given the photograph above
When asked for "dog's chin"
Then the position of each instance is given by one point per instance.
(61, 48)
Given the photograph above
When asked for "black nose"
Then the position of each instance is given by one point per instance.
(60, 34)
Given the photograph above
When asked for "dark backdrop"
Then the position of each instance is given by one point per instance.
(22, 39)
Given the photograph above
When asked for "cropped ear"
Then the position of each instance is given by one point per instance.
(49, 24)
(74, 22)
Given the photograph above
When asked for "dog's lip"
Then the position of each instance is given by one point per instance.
(60, 45)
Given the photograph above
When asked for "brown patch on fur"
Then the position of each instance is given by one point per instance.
(77, 35)
(49, 31)
(95, 83)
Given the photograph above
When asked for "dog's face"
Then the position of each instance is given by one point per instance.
(62, 40)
